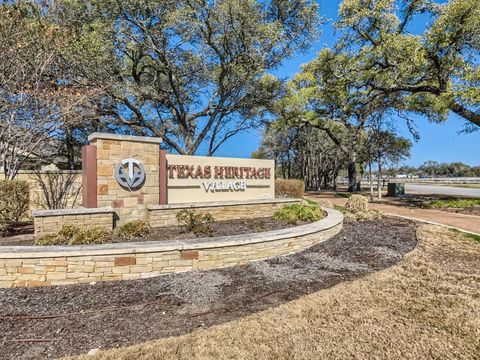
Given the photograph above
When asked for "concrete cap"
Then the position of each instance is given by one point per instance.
(74, 211)
(224, 203)
(145, 139)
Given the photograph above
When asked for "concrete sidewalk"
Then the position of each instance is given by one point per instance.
(469, 223)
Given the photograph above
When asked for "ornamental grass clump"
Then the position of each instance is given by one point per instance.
(94, 235)
(356, 209)
(299, 212)
(134, 229)
(356, 204)
(71, 234)
(193, 221)
(14, 200)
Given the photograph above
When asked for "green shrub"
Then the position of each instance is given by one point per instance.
(289, 188)
(193, 221)
(452, 204)
(14, 200)
(299, 212)
(135, 228)
(72, 235)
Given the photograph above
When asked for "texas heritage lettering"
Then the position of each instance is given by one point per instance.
(218, 172)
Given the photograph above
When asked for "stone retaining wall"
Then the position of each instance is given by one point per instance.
(165, 215)
(60, 265)
(50, 221)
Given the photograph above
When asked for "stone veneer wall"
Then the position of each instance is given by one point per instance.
(165, 215)
(37, 201)
(129, 204)
(60, 265)
(50, 221)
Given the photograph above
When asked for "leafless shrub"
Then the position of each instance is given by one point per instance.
(59, 188)
(289, 188)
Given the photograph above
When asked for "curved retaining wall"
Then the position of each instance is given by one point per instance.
(60, 265)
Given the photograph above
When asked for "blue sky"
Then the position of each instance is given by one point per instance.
(440, 142)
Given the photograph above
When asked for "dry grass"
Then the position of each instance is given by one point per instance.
(428, 307)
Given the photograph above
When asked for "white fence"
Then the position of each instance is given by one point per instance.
(436, 180)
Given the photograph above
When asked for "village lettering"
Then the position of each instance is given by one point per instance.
(218, 172)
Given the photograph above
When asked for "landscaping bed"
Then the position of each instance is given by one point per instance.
(65, 320)
(219, 228)
(22, 234)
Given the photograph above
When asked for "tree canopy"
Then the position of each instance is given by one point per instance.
(431, 71)
(189, 71)
(382, 67)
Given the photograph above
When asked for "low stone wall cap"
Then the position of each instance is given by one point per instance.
(75, 211)
(107, 136)
(223, 203)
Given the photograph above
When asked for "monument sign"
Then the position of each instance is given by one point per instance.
(129, 173)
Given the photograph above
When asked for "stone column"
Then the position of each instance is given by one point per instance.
(129, 203)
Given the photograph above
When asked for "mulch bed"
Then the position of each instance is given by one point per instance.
(38, 323)
(220, 228)
(22, 234)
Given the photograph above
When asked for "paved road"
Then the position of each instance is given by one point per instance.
(441, 190)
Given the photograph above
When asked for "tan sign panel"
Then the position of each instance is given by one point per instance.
(204, 178)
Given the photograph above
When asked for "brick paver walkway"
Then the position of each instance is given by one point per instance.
(466, 222)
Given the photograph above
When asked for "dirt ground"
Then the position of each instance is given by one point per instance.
(426, 307)
(40, 323)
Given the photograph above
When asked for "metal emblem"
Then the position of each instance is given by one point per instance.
(130, 173)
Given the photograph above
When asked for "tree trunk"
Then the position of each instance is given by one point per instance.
(359, 182)
(370, 178)
(379, 184)
(70, 148)
(352, 176)
(335, 176)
